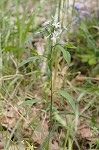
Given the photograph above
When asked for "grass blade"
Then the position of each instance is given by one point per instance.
(31, 102)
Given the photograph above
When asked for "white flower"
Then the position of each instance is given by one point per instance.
(53, 39)
(56, 33)
(64, 27)
(55, 36)
(56, 25)
(59, 31)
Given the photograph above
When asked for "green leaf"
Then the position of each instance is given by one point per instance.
(28, 26)
(34, 52)
(69, 98)
(83, 27)
(28, 60)
(60, 120)
(92, 61)
(70, 45)
(66, 54)
(31, 102)
(1, 128)
(10, 48)
(97, 53)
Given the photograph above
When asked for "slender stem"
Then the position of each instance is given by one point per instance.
(56, 68)
(2, 26)
(12, 133)
(59, 9)
(56, 54)
(51, 83)
(73, 10)
(0, 62)
(66, 139)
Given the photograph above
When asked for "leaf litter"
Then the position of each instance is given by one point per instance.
(37, 121)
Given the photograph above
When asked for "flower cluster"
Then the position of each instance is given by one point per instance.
(56, 32)
(54, 29)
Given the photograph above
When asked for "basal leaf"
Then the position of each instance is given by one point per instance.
(31, 102)
(28, 60)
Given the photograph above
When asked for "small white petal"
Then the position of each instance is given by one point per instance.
(56, 25)
(46, 23)
(53, 39)
(65, 28)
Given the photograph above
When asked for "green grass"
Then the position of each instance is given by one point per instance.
(48, 107)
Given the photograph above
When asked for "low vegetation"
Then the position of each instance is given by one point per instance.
(49, 75)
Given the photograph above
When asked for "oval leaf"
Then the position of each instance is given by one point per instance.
(69, 98)
(28, 60)
(66, 54)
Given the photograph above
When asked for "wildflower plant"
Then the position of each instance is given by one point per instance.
(52, 31)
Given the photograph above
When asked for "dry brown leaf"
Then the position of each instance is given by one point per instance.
(2, 145)
(85, 132)
(54, 146)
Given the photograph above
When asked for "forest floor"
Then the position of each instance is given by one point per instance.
(25, 95)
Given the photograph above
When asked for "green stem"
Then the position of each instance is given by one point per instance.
(56, 68)
(0, 62)
(73, 10)
(51, 83)
(66, 139)
(59, 9)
